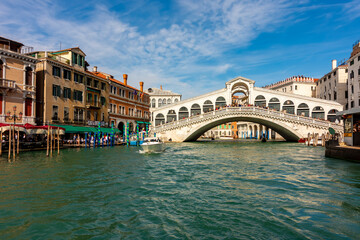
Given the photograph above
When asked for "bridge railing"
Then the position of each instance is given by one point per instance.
(249, 109)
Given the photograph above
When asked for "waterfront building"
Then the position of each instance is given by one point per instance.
(17, 82)
(66, 92)
(127, 104)
(301, 85)
(353, 87)
(160, 97)
(333, 85)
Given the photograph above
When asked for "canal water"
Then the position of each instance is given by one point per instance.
(213, 190)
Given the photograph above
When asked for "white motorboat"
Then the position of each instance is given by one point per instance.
(152, 145)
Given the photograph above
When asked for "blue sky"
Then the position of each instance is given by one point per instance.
(191, 47)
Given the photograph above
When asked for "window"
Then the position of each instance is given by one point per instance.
(88, 81)
(56, 71)
(89, 98)
(88, 115)
(111, 106)
(78, 78)
(66, 113)
(96, 97)
(55, 114)
(74, 58)
(334, 73)
(346, 70)
(95, 116)
(295, 87)
(28, 76)
(67, 74)
(28, 107)
(78, 114)
(103, 86)
(96, 84)
(102, 117)
(335, 95)
(359, 71)
(352, 74)
(56, 90)
(346, 94)
(352, 104)
(78, 95)
(352, 88)
(352, 62)
(103, 101)
(114, 90)
(67, 93)
(359, 60)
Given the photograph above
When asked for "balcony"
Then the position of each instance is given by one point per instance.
(26, 88)
(92, 104)
(8, 84)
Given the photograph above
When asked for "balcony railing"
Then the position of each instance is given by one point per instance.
(93, 104)
(5, 83)
(29, 88)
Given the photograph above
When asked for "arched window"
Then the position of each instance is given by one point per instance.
(274, 103)
(159, 119)
(208, 106)
(332, 115)
(159, 102)
(169, 101)
(176, 100)
(1, 69)
(28, 76)
(289, 107)
(303, 110)
(183, 113)
(318, 112)
(260, 101)
(195, 109)
(164, 101)
(171, 116)
(220, 102)
(153, 103)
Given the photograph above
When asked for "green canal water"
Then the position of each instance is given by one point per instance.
(214, 190)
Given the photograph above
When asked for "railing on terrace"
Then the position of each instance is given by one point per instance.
(5, 83)
(270, 112)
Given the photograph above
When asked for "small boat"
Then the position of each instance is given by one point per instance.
(152, 145)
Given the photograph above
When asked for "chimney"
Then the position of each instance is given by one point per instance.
(333, 64)
(95, 69)
(141, 86)
(160, 87)
(125, 78)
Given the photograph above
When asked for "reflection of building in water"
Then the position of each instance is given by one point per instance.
(242, 130)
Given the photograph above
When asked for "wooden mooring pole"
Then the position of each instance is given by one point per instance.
(47, 142)
(9, 153)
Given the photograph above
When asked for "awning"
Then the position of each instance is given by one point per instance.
(350, 111)
(80, 129)
(143, 122)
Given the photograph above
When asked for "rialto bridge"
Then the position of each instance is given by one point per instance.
(292, 116)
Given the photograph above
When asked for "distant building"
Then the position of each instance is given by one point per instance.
(333, 85)
(354, 77)
(297, 84)
(160, 97)
(17, 82)
(127, 104)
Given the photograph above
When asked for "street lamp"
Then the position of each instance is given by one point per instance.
(14, 116)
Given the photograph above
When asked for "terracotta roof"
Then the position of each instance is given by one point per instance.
(102, 75)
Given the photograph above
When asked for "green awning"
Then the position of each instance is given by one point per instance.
(80, 129)
(143, 122)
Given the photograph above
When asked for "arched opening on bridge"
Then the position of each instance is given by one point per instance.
(208, 106)
(159, 102)
(260, 101)
(303, 110)
(183, 113)
(169, 101)
(289, 107)
(159, 119)
(195, 109)
(251, 131)
(171, 116)
(318, 112)
(220, 102)
(153, 103)
(274, 103)
(256, 132)
(239, 98)
(332, 115)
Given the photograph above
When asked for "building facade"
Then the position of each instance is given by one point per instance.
(333, 85)
(353, 87)
(301, 85)
(66, 92)
(160, 97)
(127, 105)
(17, 83)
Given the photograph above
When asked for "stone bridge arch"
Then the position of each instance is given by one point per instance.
(287, 132)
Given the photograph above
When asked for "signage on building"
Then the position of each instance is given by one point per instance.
(96, 123)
